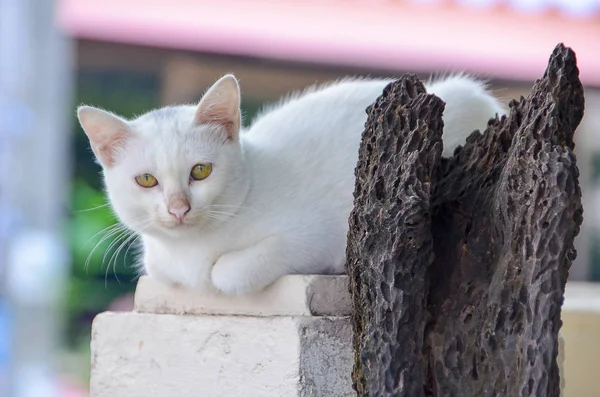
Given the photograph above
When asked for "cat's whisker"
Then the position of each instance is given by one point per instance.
(115, 255)
(114, 242)
(110, 234)
(110, 248)
(224, 217)
(236, 207)
(118, 233)
(107, 229)
(92, 208)
(125, 241)
(136, 238)
(225, 213)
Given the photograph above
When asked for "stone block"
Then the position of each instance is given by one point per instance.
(177, 342)
(292, 295)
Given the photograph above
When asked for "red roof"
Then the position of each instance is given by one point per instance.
(496, 41)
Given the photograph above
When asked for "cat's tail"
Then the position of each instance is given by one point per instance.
(469, 106)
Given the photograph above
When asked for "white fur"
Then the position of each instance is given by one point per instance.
(279, 196)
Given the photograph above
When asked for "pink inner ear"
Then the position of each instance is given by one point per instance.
(106, 148)
(220, 115)
(216, 114)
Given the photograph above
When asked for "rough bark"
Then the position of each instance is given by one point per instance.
(391, 224)
(458, 276)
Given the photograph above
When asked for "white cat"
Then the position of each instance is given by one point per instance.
(234, 209)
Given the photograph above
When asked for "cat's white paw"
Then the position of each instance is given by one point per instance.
(228, 276)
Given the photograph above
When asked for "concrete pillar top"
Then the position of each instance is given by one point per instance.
(292, 295)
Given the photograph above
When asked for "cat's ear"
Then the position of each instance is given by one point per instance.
(107, 132)
(221, 105)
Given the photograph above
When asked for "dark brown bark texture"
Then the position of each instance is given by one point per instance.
(458, 266)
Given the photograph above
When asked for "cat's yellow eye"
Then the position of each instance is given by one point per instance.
(201, 171)
(146, 180)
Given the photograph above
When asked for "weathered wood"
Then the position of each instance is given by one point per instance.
(479, 317)
(391, 224)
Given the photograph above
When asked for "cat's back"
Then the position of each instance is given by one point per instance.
(321, 112)
(302, 153)
(307, 146)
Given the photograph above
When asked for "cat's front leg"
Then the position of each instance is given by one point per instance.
(253, 268)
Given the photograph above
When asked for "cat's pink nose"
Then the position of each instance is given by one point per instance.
(179, 212)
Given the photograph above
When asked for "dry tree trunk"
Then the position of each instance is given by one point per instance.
(458, 266)
(390, 244)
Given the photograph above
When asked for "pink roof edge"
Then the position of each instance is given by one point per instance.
(374, 34)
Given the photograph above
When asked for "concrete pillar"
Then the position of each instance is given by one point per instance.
(293, 339)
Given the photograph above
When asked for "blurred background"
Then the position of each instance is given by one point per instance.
(58, 262)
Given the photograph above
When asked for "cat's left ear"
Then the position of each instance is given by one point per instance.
(221, 105)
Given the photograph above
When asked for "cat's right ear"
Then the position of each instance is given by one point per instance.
(221, 106)
(106, 132)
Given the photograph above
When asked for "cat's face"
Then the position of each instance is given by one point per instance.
(176, 169)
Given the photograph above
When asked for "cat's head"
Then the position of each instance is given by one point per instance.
(174, 169)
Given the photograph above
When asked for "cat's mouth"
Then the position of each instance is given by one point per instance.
(183, 225)
(188, 223)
